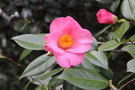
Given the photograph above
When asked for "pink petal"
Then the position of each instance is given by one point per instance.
(75, 59)
(46, 36)
(69, 59)
(60, 24)
(62, 60)
(82, 40)
(51, 43)
(46, 48)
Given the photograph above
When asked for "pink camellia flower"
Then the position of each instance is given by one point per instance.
(68, 41)
(105, 17)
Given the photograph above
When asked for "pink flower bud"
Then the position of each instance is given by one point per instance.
(105, 17)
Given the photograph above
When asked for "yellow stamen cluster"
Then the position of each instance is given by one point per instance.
(64, 41)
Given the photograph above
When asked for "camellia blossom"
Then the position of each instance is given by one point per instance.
(105, 17)
(68, 41)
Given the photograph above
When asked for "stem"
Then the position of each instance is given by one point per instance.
(112, 86)
(123, 20)
(7, 17)
(131, 22)
(126, 84)
(11, 60)
(123, 43)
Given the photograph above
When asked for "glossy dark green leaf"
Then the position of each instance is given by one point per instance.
(41, 87)
(102, 31)
(30, 41)
(110, 36)
(130, 49)
(39, 82)
(105, 1)
(84, 78)
(128, 9)
(88, 65)
(97, 58)
(109, 45)
(55, 82)
(131, 66)
(121, 30)
(93, 45)
(24, 54)
(38, 66)
(115, 5)
(26, 86)
(124, 79)
(48, 74)
(132, 38)
(69, 86)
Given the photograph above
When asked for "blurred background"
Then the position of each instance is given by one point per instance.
(35, 16)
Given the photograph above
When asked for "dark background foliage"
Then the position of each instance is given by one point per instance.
(35, 17)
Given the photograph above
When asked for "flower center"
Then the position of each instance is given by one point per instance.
(65, 42)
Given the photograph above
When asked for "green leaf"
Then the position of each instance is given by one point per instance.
(124, 79)
(130, 49)
(30, 41)
(41, 34)
(132, 38)
(69, 86)
(131, 66)
(24, 54)
(41, 87)
(40, 82)
(102, 31)
(26, 86)
(48, 74)
(128, 9)
(109, 45)
(121, 30)
(93, 45)
(97, 58)
(84, 78)
(110, 36)
(38, 66)
(105, 1)
(88, 65)
(55, 82)
(115, 5)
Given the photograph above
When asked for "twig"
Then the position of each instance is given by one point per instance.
(131, 22)
(126, 83)
(112, 86)
(123, 43)
(11, 60)
(7, 17)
